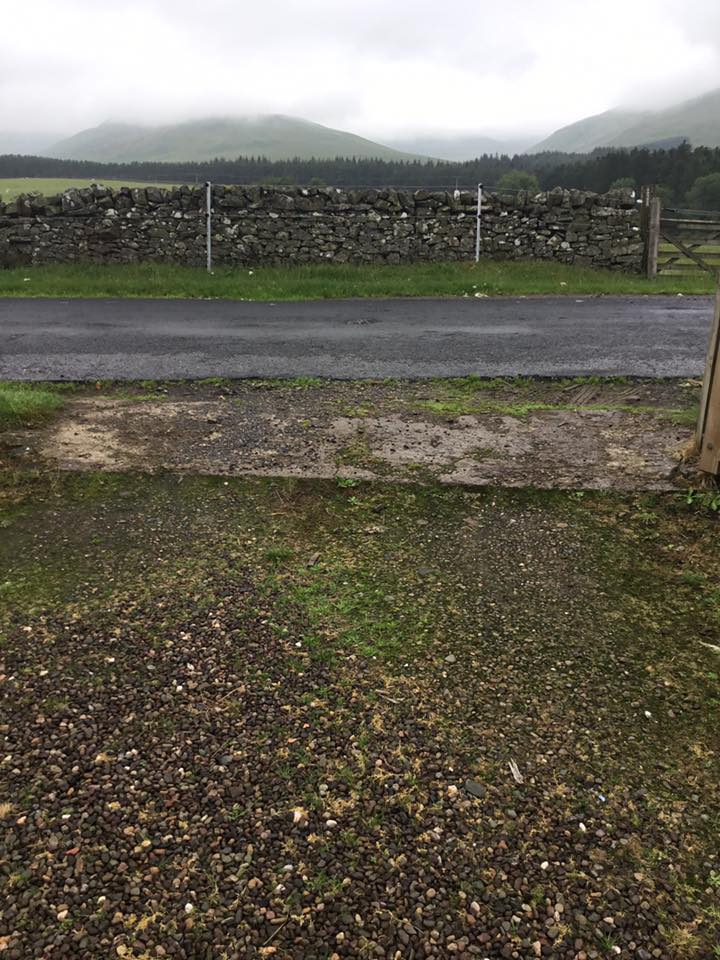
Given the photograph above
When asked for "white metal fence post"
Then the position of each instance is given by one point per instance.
(479, 223)
(208, 224)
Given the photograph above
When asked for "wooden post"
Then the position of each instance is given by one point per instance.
(708, 434)
(653, 237)
(644, 211)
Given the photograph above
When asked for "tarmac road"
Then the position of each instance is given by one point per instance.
(351, 339)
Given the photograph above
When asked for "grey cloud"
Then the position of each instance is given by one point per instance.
(380, 67)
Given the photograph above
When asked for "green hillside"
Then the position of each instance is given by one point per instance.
(276, 137)
(696, 120)
(585, 135)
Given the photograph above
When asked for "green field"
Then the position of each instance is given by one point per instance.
(48, 187)
(330, 281)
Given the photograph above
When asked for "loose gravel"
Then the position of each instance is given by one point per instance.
(296, 720)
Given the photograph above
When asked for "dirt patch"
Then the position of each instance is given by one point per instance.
(94, 439)
(563, 434)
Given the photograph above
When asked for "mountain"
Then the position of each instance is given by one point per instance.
(585, 135)
(276, 137)
(696, 120)
(459, 147)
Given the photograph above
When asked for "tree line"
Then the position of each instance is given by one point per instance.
(676, 171)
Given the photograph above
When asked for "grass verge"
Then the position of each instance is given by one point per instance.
(24, 404)
(334, 281)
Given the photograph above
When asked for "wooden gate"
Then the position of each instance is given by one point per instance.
(680, 243)
(689, 241)
(708, 430)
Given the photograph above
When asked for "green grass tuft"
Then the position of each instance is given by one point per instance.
(685, 416)
(24, 403)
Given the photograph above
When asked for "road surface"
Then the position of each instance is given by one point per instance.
(347, 339)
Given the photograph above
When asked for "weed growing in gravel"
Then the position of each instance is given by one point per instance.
(474, 384)
(704, 499)
(683, 416)
(458, 406)
(354, 454)
(214, 381)
(469, 403)
(321, 883)
(357, 453)
(278, 554)
(685, 944)
(292, 383)
(693, 579)
(357, 411)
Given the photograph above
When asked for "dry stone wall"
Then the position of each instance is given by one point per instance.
(269, 225)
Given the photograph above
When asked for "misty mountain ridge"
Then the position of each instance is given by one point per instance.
(281, 137)
(588, 134)
(459, 147)
(275, 136)
(696, 120)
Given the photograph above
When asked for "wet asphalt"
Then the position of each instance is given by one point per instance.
(353, 339)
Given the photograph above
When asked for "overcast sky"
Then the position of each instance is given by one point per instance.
(382, 68)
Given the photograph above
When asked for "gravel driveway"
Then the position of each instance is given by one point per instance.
(253, 718)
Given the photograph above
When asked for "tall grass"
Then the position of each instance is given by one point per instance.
(328, 281)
